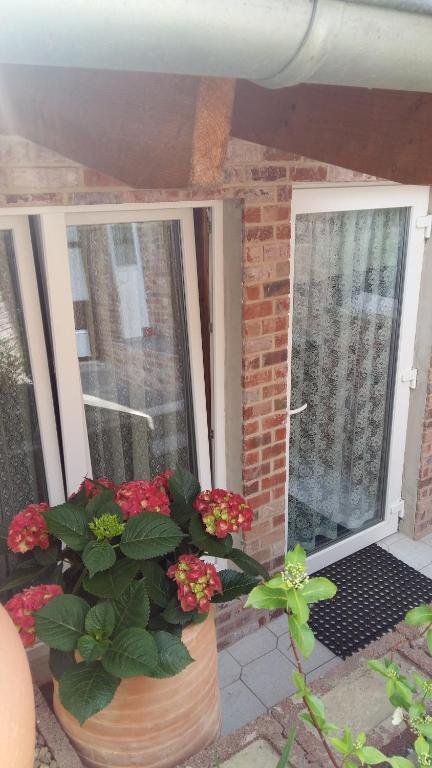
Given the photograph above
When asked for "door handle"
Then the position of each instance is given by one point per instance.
(298, 410)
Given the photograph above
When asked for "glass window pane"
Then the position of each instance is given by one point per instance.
(22, 474)
(132, 347)
(346, 310)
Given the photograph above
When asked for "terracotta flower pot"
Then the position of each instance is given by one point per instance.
(154, 723)
(17, 721)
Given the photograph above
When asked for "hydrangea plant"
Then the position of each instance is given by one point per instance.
(127, 576)
(294, 591)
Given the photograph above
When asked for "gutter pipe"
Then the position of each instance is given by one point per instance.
(276, 43)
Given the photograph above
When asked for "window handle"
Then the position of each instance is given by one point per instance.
(298, 410)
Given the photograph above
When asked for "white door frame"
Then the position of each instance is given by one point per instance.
(55, 254)
(364, 197)
(18, 226)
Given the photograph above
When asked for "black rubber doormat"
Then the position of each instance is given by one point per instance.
(375, 590)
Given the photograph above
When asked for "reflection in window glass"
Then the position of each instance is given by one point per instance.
(131, 340)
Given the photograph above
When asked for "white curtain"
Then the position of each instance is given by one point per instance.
(346, 299)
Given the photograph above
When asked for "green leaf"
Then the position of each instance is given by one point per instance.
(132, 608)
(100, 620)
(60, 662)
(69, 523)
(174, 614)
(318, 588)
(183, 486)
(400, 762)
(98, 556)
(296, 556)
(210, 544)
(420, 615)
(113, 582)
(158, 624)
(86, 689)
(316, 706)
(429, 641)
(379, 667)
(60, 623)
(132, 652)
(102, 503)
(234, 584)
(263, 596)
(299, 681)
(371, 756)
(149, 535)
(21, 577)
(156, 581)
(302, 636)
(173, 655)
(46, 556)
(421, 746)
(299, 607)
(248, 564)
(340, 745)
(90, 648)
(283, 760)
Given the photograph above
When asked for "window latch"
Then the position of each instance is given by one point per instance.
(425, 222)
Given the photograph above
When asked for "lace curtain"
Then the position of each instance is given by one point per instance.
(345, 321)
(22, 476)
(132, 346)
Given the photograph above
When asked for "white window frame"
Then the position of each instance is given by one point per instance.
(52, 223)
(323, 199)
(18, 226)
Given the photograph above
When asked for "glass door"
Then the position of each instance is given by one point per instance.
(127, 343)
(351, 313)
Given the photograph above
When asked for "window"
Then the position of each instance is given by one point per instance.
(119, 293)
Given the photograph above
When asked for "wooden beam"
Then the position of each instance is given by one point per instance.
(146, 130)
(384, 133)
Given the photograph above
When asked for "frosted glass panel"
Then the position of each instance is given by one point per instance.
(346, 309)
(22, 475)
(132, 347)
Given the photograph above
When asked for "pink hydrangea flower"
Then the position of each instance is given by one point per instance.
(28, 529)
(139, 496)
(223, 512)
(196, 581)
(22, 605)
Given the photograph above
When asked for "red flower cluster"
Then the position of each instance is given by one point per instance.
(28, 529)
(141, 496)
(161, 481)
(223, 512)
(92, 487)
(21, 606)
(197, 582)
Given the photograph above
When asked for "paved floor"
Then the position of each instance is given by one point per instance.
(256, 672)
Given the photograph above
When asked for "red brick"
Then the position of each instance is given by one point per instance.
(279, 463)
(280, 404)
(252, 292)
(283, 231)
(282, 305)
(259, 500)
(251, 458)
(251, 363)
(254, 253)
(276, 252)
(276, 213)
(259, 233)
(251, 488)
(272, 358)
(252, 215)
(251, 427)
(257, 440)
(253, 473)
(259, 409)
(258, 309)
(268, 173)
(274, 389)
(278, 520)
(279, 492)
(272, 324)
(260, 377)
(273, 450)
(277, 288)
(280, 434)
(311, 173)
(252, 329)
(270, 482)
(277, 420)
(284, 194)
(281, 340)
(94, 178)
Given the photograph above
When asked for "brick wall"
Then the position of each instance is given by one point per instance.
(423, 517)
(263, 178)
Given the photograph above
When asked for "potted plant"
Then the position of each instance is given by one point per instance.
(128, 618)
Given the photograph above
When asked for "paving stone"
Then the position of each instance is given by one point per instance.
(239, 706)
(229, 669)
(279, 626)
(392, 539)
(259, 754)
(320, 655)
(414, 553)
(427, 571)
(323, 669)
(270, 677)
(253, 646)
